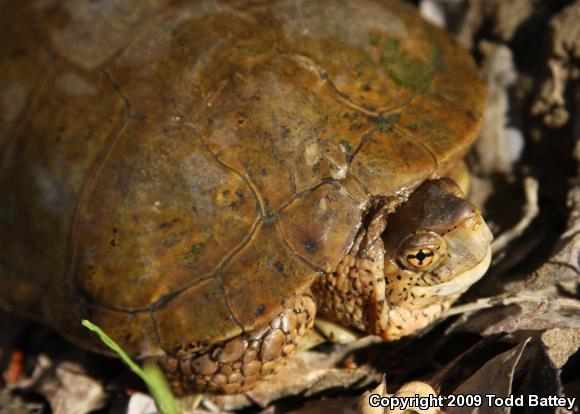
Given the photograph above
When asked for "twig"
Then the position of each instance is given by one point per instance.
(531, 210)
(485, 303)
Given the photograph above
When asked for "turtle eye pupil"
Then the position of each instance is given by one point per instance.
(420, 259)
(421, 252)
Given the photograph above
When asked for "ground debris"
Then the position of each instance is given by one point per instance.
(65, 385)
(500, 144)
(140, 403)
(12, 404)
(563, 67)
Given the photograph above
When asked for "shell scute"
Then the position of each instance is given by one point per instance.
(160, 213)
(321, 225)
(175, 63)
(197, 317)
(280, 124)
(262, 276)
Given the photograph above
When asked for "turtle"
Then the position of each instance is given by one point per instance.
(204, 178)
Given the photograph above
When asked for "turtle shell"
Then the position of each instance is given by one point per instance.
(176, 170)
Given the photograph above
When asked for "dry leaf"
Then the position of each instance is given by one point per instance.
(70, 390)
(561, 344)
(495, 377)
(140, 403)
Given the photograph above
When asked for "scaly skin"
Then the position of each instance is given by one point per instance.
(236, 365)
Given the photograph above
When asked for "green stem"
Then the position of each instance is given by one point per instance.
(150, 373)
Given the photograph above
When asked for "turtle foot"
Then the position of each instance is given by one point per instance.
(238, 364)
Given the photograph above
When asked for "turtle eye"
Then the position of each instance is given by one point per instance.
(422, 251)
(420, 258)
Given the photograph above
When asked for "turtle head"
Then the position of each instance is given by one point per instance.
(436, 246)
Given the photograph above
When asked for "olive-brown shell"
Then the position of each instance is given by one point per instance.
(175, 170)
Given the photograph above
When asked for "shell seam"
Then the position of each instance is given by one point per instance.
(89, 178)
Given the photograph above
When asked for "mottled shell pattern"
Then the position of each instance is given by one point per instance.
(176, 170)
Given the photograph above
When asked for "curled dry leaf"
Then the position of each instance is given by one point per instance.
(406, 392)
(364, 407)
(64, 384)
(539, 376)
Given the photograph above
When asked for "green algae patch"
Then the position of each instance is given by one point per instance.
(407, 70)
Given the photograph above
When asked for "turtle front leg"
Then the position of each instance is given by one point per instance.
(236, 365)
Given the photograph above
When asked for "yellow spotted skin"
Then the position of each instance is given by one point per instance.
(345, 294)
(376, 289)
